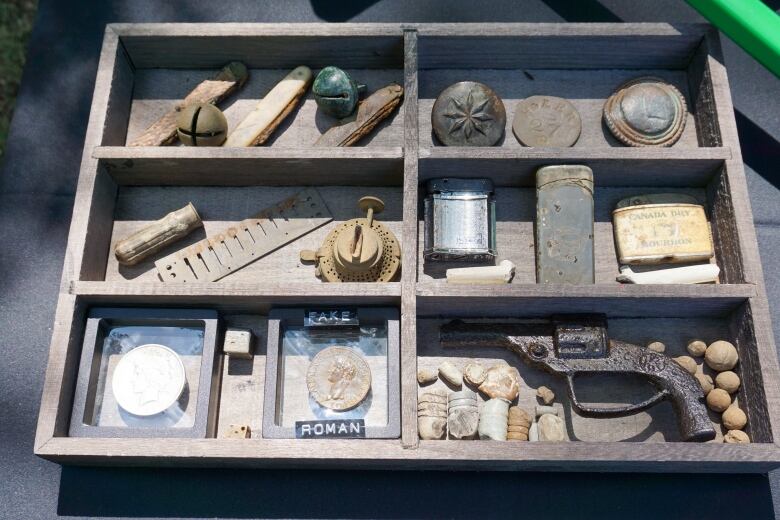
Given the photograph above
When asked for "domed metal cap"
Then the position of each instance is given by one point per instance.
(468, 114)
(646, 112)
(202, 124)
(335, 92)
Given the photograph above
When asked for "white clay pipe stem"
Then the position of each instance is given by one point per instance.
(491, 274)
(702, 273)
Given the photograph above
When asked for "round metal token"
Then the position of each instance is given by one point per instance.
(468, 114)
(546, 121)
(148, 380)
(646, 111)
(338, 378)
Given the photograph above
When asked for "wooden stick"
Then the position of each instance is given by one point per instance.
(163, 131)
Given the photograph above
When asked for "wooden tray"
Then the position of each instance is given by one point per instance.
(145, 68)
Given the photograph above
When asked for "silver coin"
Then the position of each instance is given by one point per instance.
(148, 380)
(546, 121)
(338, 378)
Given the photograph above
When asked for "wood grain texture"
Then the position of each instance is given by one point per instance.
(537, 300)
(219, 207)
(409, 437)
(252, 166)
(550, 45)
(509, 166)
(580, 61)
(745, 232)
(278, 45)
(158, 91)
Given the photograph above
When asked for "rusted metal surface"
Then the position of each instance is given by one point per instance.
(569, 347)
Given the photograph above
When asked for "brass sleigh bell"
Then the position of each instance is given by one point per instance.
(201, 124)
(359, 250)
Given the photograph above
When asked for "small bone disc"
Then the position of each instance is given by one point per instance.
(546, 121)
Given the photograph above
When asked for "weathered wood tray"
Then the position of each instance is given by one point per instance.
(145, 68)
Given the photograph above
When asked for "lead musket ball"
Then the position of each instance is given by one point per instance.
(688, 363)
(736, 437)
(705, 381)
(721, 356)
(696, 348)
(718, 400)
(728, 381)
(426, 376)
(734, 418)
(474, 374)
(451, 374)
(656, 346)
(546, 395)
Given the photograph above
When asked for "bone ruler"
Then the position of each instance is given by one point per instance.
(219, 255)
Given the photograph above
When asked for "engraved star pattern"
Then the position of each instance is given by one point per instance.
(467, 116)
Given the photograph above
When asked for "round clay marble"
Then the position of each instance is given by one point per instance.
(721, 356)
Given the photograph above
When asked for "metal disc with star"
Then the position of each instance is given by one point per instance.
(646, 111)
(468, 114)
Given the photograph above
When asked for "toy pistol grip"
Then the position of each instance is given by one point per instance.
(670, 380)
(611, 411)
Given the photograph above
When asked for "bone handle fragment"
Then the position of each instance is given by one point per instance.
(258, 126)
(150, 239)
(492, 274)
(701, 273)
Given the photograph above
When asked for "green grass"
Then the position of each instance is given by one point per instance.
(16, 21)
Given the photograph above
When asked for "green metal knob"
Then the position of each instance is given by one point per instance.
(335, 92)
(201, 124)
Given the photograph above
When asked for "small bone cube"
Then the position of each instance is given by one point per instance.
(238, 431)
(238, 343)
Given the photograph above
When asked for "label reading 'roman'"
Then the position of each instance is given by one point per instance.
(337, 428)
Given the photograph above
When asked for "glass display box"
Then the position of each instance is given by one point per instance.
(332, 373)
(146, 373)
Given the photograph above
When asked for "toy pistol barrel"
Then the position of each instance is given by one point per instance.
(573, 346)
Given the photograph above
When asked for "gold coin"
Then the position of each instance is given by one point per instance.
(338, 378)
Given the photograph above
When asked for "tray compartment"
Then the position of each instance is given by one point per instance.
(658, 424)
(516, 213)
(221, 207)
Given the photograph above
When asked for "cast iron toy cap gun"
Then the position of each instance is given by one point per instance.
(570, 346)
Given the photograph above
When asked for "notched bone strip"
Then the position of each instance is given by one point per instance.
(163, 131)
(369, 113)
(258, 126)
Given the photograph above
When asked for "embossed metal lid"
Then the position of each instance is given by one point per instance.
(468, 114)
(646, 111)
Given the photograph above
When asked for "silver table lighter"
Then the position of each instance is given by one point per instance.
(460, 220)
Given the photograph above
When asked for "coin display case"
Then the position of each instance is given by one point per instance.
(112, 333)
(297, 336)
(145, 68)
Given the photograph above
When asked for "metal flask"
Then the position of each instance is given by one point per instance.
(460, 220)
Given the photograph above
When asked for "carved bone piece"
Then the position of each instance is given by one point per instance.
(370, 113)
(150, 239)
(258, 126)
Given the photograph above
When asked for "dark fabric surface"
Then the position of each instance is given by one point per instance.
(37, 186)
